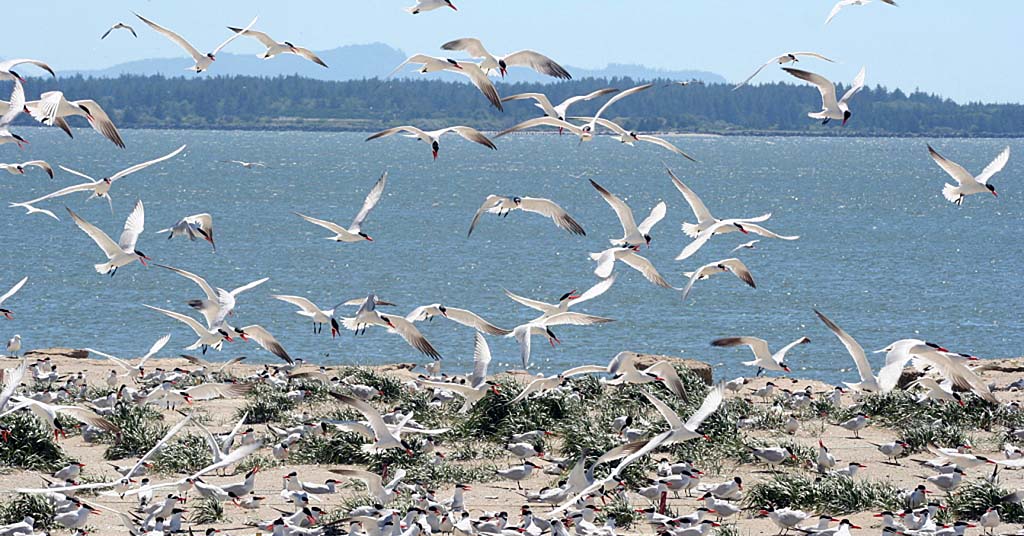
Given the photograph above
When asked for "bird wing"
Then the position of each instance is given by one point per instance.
(234, 35)
(538, 62)
(550, 209)
(705, 235)
(209, 391)
(215, 451)
(994, 167)
(959, 374)
(574, 319)
(259, 36)
(116, 360)
(694, 277)
(310, 55)
(959, 174)
(740, 270)
(371, 201)
(583, 369)
(758, 230)
(523, 334)
(83, 187)
(380, 428)
(16, 104)
(247, 286)
(470, 319)
(622, 362)
(605, 262)
(826, 88)
(540, 384)
(814, 55)
(532, 304)
(836, 8)
(699, 209)
(858, 84)
(665, 144)
(189, 321)
(472, 135)
(540, 121)
(598, 289)
(780, 356)
(41, 164)
(5, 66)
(481, 359)
(211, 293)
(542, 101)
(470, 45)
(298, 301)
(711, 403)
(102, 240)
(177, 39)
(669, 376)
(139, 167)
(670, 416)
(408, 331)
(491, 201)
(589, 96)
(751, 77)
(17, 286)
(12, 379)
(621, 95)
(758, 346)
(395, 130)
(652, 219)
(644, 266)
(374, 484)
(87, 416)
(606, 123)
(101, 122)
(482, 82)
(329, 225)
(231, 458)
(416, 58)
(157, 346)
(266, 341)
(622, 210)
(133, 227)
(852, 346)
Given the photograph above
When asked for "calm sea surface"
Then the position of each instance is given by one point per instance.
(881, 252)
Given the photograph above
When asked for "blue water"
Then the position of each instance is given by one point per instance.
(881, 252)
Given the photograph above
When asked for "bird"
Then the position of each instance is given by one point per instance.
(367, 315)
(98, 188)
(478, 386)
(523, 58)
(381, 493)
(14, 345)
(856, 423)
(868, 382)
(384, 437)
(218, 303)
(584, 132)
(53, 108)
(17, 105)
(9, 314)
(202, 61)
(733, 265)
(6, 72)
(830, 108)
(429, 5)
(309, 309)
(524, 333)
(212, 337)
(623, 370)
(122, 252)
(606, 262)
(246, 165)
(949, 367)
(968, 184)
(545, 384)
(502, 206)
(138, 369)
(274, 47)
(630, 137)
(725, 226)
(192, 226)
(763, 358)
(49, 413)
(517, 473)
(433, 137)
(470, 70)
(19, 169)
(461, 316)
(558, 112)
(567, 300)
(846, 3)
(354, 231)
(633, 234)
(789, 57)
(119, 26)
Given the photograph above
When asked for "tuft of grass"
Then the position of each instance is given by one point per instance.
(30, 445)
(187, 454)
(36, 506)
(206, 511)
(141, 427)
(265, 404)
(624, 514)
(835, 494)
(726, 530)
(264, 462)
(435, 476)
(972, 498)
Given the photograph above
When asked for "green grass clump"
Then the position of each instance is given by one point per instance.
(972, 498)
(837, 495)
(187, 454)
(495, 419)
(37, 506)
(141, 427)
(265, 404)
(206, 511)
(624, 514)
(30, 445)
(435, 476)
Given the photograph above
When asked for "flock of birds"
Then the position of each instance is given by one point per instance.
(947, 376)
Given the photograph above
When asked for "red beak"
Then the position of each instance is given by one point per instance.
(368, 239)
(994, 193)
(435, 150)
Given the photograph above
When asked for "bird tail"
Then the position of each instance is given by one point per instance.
(951, 193)
(412, 10)
(167, 230)
(103, 267)
(691, 229)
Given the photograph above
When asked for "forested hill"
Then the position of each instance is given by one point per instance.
(301, 103)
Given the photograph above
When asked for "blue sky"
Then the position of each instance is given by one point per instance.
(964, 50)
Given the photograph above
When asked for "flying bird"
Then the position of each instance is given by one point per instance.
(789, 57)
(523, 58)
(19, 169)
(9, 314)
(122, 252)
(468, 69)
(763, 358)
(433, 137)
(868, 382)
(606, 262)
(218, 303)
(354, 232)
(429, 5)
(847, 3)
(633, 234)
(830, 108)
(502, 206)
(586, 131)
(968, 184)
(274, 47)
(200, 225)
(53, 109)
(310, 310)
(630, 137)
(367, 315)
(558, 112)
(6, 72)
(460, 316)
(203, 61)
(733, 265)
(119, 26)
(246, 165)
(15, 107)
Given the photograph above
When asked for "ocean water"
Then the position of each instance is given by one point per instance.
(881, 252)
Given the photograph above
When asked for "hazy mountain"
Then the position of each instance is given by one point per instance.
(353, 62)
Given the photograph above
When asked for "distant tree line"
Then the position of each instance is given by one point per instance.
(241, 102)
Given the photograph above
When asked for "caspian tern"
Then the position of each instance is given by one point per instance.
(433, 137)
(846, 3)
(763, 358)
(381, 493)
(274, 48)
(542, 326)
(733, 265)
(53, 109)
(123, 252)
(630, 137)
(98, 188)
(606, 263)
(208, 337)
(586, 131)
(218, 303)
(19, 169)
(9, 314)
(830, 108)
(868, 382)
(119, 26)
(561, 111)
(429, 5)
(524, 58)
(310, 310)
(7, 74)
(246, 165)
(16, 106)
(502, 206)
(789, 57)
(461, 316)
(633, 234)
(192, 226)
(745, 226)
(203, 61)
(478, 386)
(137, 370)
(49, 412)
(385, 437)
(368, 316)
(623, 370)
(949, 367)
(468, 69)
(354, 232)
(567, 300)
(968, 184)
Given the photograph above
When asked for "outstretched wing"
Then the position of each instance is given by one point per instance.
(133, 227)
(371, 201)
